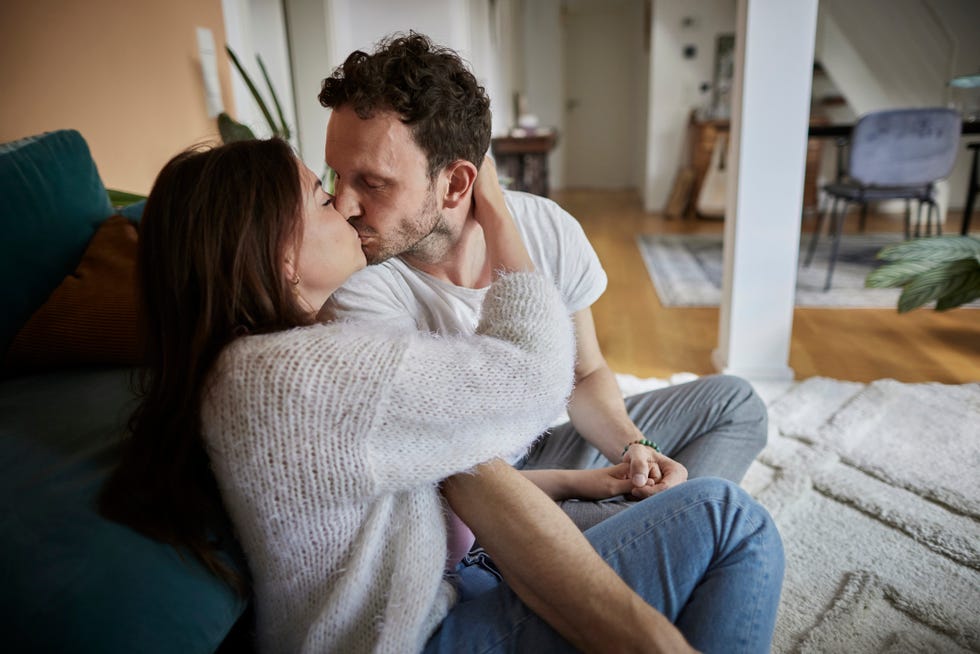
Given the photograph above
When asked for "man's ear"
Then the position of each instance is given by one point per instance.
(461, 175)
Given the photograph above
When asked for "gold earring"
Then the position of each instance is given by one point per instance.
(295, 280)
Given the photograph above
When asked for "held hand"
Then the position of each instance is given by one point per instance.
(656, 471)
(602, 483)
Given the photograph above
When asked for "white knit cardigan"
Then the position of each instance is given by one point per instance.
(328, 443)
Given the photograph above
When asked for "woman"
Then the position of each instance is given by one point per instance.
(328, 443)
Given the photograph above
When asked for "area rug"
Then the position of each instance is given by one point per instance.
(686, 271)
(876, 492)
(875, 489)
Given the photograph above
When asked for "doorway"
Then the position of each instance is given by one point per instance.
(605, 65)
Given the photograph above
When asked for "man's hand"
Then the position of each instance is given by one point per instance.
(651, 472)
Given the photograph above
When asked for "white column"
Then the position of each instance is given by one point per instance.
(767, 159)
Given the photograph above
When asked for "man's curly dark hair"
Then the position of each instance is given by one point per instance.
(428, 86)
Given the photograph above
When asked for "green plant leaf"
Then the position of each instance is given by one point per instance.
(968, 291)
(329, 179)
(231, 130)
(119, 198)
(254, 91)
(283, 129)
(934, 283)
(897, 273)
(937, 249)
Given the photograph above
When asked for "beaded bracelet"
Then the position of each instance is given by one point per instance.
(642, 441)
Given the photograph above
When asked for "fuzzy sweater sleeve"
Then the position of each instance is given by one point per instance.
(356, 411)
(455, 402)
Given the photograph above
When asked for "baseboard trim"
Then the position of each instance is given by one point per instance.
(752, 373)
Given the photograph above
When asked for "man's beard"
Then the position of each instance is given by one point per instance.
(421, 237)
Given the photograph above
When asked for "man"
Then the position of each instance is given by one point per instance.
(406, 137)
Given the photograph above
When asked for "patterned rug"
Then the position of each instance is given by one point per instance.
(686, 271)
(876, 492)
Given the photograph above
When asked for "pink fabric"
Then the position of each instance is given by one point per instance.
(459, 539)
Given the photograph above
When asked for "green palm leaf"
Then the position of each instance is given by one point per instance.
(968, 291)
(254, 91)
(119, 198)
(231, 130)
(936, 249)
(935, 283)
(283, 129)
(897, 273)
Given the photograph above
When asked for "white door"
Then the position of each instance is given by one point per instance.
(603, 46)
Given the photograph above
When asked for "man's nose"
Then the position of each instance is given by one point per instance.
(345, 200)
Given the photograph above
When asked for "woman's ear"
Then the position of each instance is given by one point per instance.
(462, 175)
(290, 271)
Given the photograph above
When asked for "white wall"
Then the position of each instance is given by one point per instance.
(495, 53)
(675, 82)
(324, 32)
(313, 57)
(258, 27)
(605, 119)
(962, 19)
(543, 78)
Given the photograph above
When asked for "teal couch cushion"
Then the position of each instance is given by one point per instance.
(133, 211)
(51, 201)
(73, 581)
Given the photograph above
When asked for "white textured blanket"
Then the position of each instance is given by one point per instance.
(876, 491)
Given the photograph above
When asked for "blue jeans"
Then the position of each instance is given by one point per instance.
(704, 554)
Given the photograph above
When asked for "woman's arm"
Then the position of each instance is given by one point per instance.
(590, 484)
(506, 251)
(552, 567)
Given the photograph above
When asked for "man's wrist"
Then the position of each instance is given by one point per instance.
(641, 441)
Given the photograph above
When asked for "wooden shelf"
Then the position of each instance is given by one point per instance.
(524, 159)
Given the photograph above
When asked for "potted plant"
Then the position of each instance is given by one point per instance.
(941, 268)
(232, 130)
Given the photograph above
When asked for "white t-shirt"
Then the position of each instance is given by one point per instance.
(402, 295)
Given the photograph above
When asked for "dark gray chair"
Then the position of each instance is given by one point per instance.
(897, 154)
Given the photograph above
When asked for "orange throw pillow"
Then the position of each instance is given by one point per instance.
(91, 317)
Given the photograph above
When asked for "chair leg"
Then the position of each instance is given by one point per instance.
(918, 220)
(816, 233)
(939, 223)
(908, 219)
(837, 224)
(864, 217)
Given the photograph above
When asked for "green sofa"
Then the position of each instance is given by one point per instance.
(73, 581)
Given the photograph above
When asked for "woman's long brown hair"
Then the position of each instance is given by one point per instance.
(214, 233)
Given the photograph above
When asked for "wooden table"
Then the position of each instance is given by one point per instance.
(524, 159)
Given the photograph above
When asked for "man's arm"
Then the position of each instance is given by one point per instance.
(597, 412)
(552, 567)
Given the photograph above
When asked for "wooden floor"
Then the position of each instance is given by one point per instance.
(641, 337)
